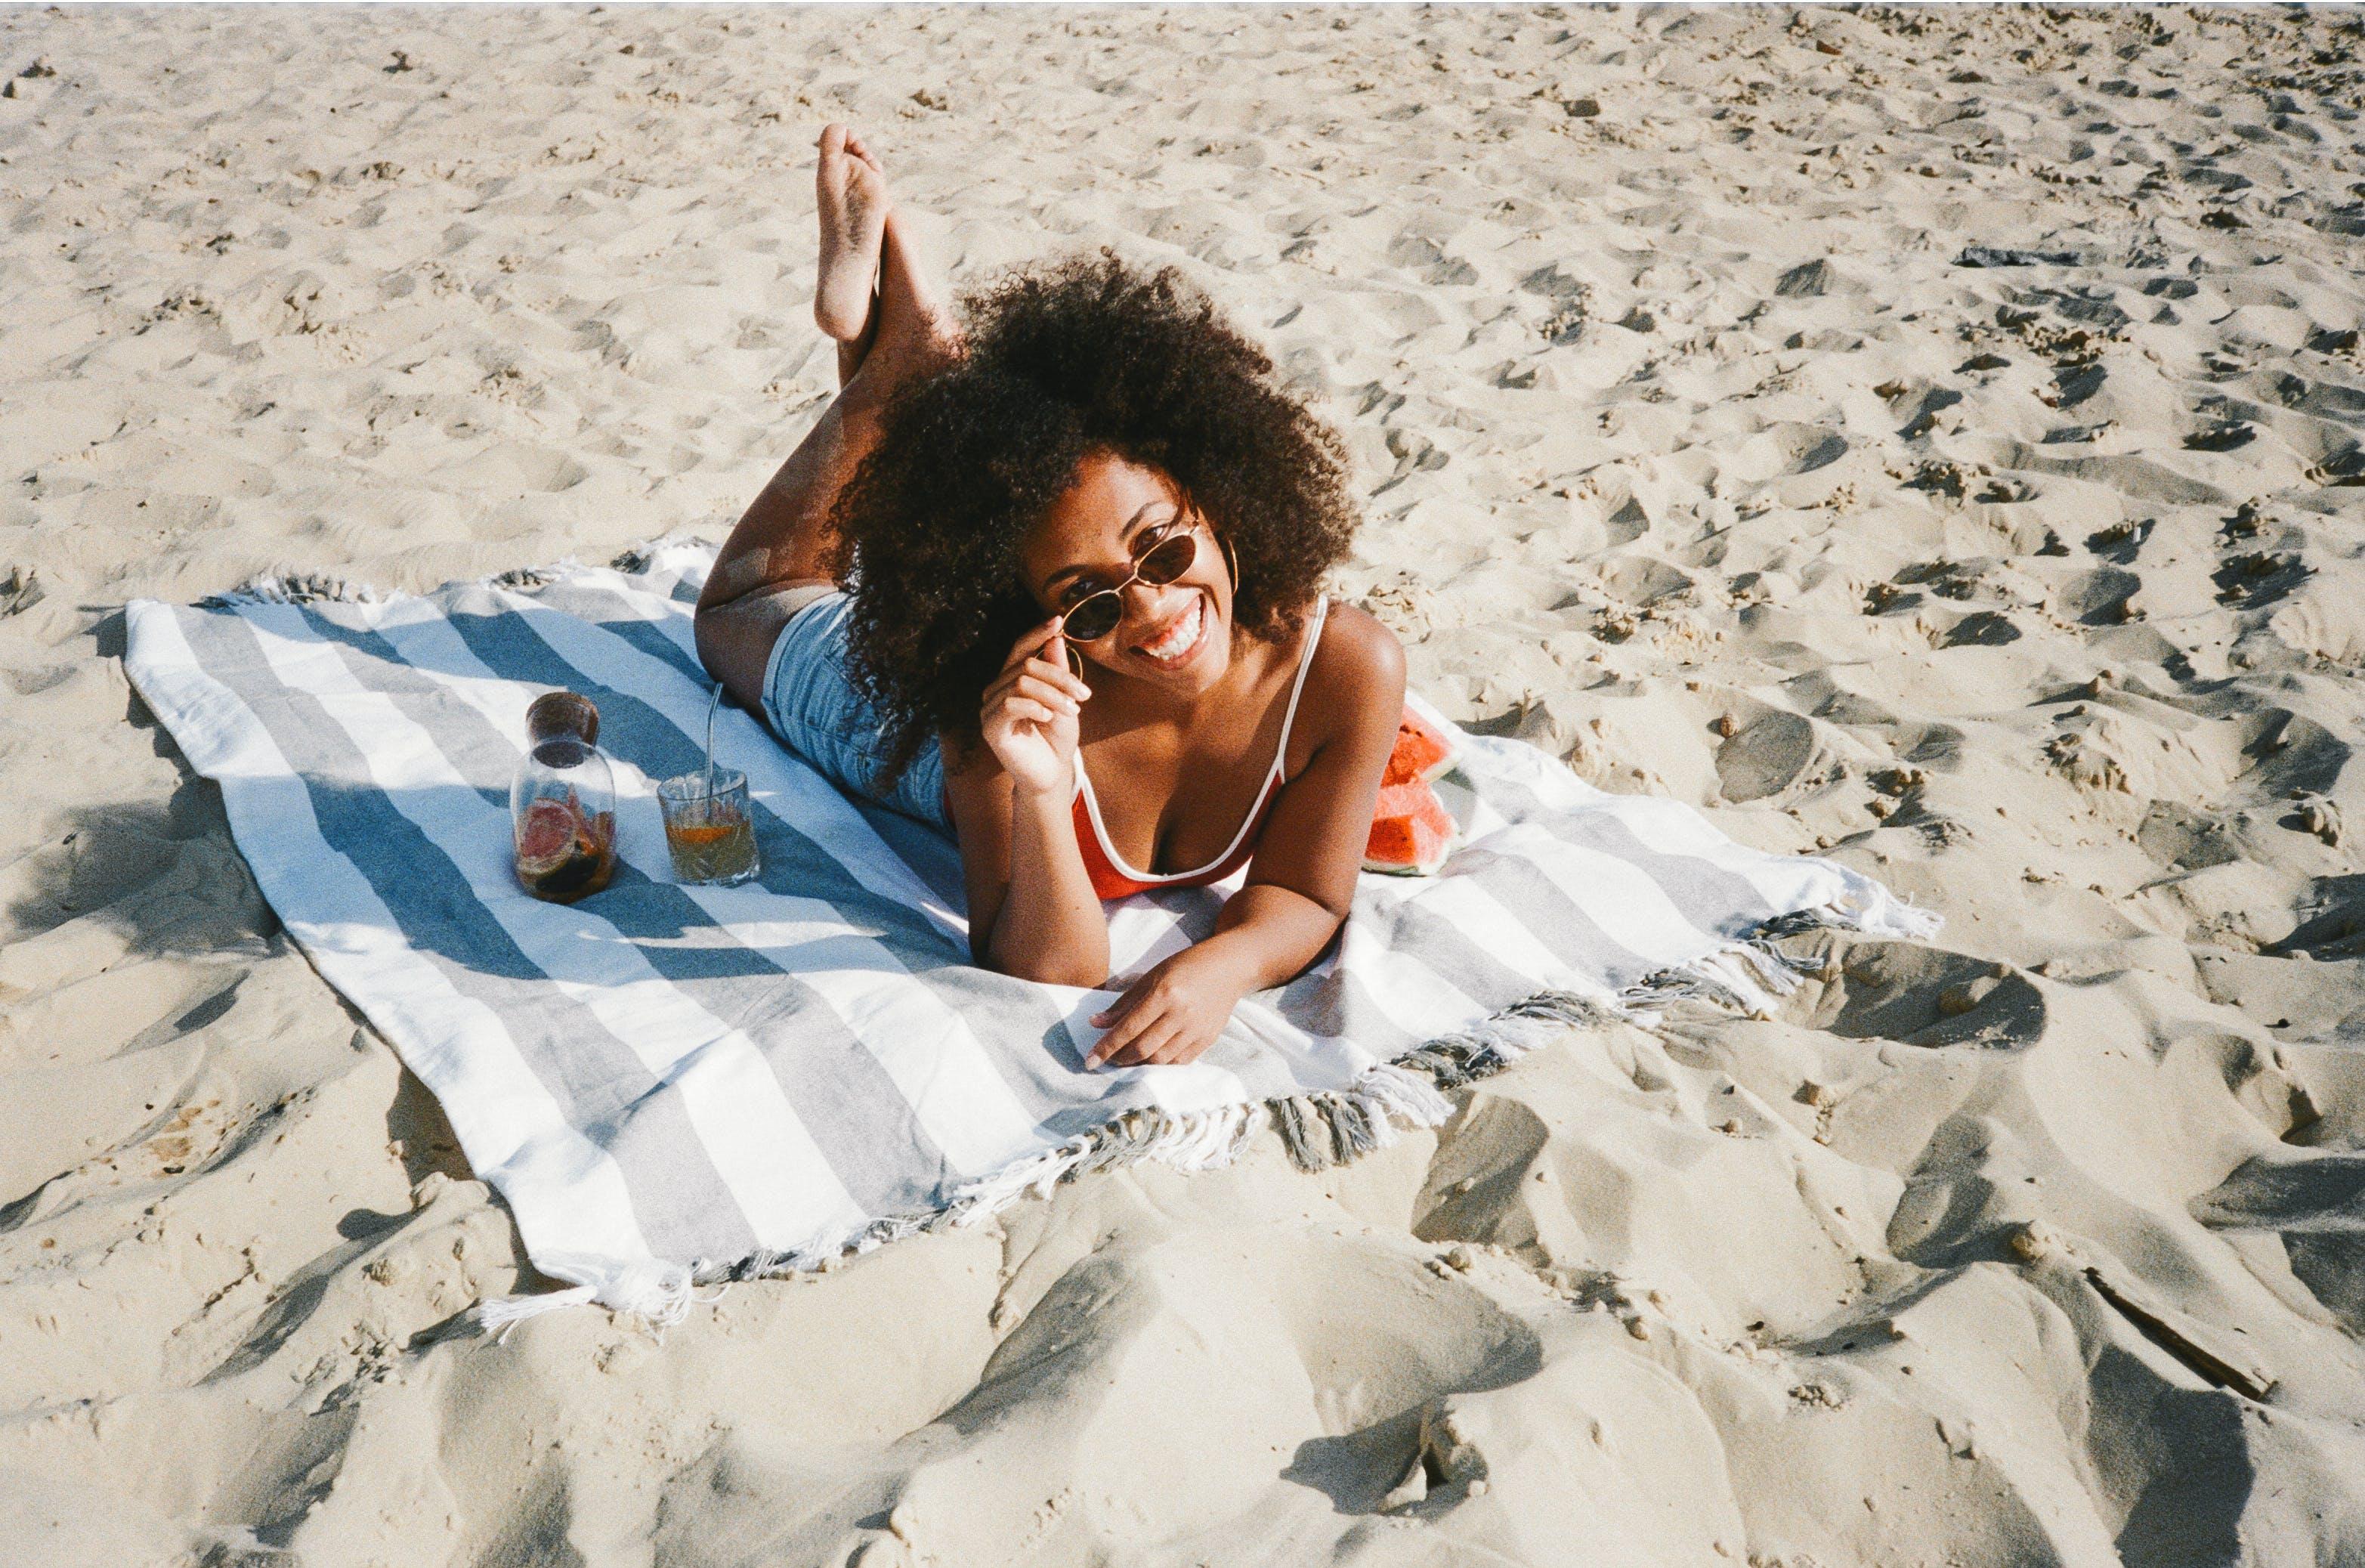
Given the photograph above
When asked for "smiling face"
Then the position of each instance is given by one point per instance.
(1177, 634)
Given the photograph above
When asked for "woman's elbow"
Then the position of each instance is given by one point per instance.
(1083, 976)
(736, 647)
(1044, 968)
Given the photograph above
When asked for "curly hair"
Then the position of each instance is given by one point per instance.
(1061, 360)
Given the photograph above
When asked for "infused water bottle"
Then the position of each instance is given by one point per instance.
(563, 804)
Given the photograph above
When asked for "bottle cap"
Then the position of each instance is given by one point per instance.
(558, 713)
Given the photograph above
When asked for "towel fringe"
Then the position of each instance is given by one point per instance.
(312, 587)
(308, 588)
(691, 549)
(655, 1291)
(292, 587)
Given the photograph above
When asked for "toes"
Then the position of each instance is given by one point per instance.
(834, 138)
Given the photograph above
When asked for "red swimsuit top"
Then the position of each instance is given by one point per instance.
(1113, 878)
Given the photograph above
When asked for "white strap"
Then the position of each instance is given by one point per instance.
(1305, 663)
(1256, 808)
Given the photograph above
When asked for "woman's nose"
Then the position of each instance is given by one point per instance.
(1144, 600)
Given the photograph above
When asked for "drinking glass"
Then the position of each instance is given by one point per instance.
(710, 833)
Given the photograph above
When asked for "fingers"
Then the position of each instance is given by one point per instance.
(1032, 638)
(1028, 685)
(1125, 1020)
(1117, 1009)
(1028, 709)
(1141, 1043)
(1145, 1028)
(1180, 1048)
(1037, 651)
(1041, 680)
(1049, 693)
(1054, 680)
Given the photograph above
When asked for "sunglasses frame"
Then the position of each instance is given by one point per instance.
(1191, 524)
(1182, 528)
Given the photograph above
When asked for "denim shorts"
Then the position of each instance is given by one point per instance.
(814, 708)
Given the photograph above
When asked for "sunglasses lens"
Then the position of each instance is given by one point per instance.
(1169, 561)
(1095, 617)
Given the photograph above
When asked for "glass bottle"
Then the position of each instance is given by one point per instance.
(563, 803)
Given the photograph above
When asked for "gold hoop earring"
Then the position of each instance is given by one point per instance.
(1231, 561)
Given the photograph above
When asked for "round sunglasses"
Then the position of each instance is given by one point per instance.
(1159, 556)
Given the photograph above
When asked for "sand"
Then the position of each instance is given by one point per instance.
(1693, 452)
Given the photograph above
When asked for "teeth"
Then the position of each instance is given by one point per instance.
(1182, 636)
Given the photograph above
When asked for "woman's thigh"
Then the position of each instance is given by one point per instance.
(813, 707)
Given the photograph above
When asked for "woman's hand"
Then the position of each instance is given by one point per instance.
(1172, 1014)
(1029, 715)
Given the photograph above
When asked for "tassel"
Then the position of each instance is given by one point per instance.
(1404, 1094)
(291, 587)
(497, 1316)
(1872, 909)
(1350, 1130)
(655, 1291)
(1290, 1115)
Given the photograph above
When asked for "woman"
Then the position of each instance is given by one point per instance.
(1052, 585)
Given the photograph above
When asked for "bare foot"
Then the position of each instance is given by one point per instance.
(850, 190)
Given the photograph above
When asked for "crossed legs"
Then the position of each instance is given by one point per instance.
(873, 296)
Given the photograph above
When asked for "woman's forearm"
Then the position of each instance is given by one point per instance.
(1049, 926)
(1268, 934)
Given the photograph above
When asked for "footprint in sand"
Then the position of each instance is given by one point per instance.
(1765, 757)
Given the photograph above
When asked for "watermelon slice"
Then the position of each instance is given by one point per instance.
(1411, 832)
(1421, 752)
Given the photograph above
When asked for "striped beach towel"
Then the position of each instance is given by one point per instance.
(671, 1085)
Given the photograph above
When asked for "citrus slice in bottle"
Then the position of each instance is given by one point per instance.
(547, 834)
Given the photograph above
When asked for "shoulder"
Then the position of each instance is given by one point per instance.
(1357, 652)
(1355, 682)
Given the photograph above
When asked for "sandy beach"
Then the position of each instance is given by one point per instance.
(1929, 437)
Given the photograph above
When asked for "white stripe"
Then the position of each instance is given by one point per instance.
(1468, 904)
(568, 1195)
(688, 561)
(1142, 932)
(925, 1046)
(678, 622)
(760, 1149)
(1784, 881)
(1618, 896)
(1415, 997)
